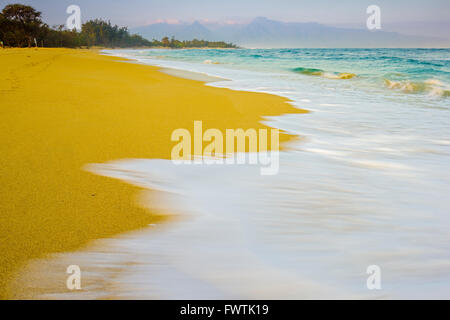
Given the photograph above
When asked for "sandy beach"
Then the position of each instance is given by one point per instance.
(62, 109)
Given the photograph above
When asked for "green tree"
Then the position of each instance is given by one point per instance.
(23, 23)
(165, 42)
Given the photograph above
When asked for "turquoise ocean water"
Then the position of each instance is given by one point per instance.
(424, 71)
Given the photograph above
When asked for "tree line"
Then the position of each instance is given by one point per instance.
(177, 44)
(22, 26)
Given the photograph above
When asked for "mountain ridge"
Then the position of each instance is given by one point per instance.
(262, 32)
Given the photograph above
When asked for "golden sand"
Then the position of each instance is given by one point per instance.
(62, 109)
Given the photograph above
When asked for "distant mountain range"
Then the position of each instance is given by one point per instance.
(266, 33)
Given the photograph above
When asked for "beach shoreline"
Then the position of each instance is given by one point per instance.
(66, 108)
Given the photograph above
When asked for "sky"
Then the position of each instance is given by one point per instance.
(430, 17)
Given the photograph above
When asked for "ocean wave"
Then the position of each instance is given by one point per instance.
(432, 87)
(309, 71)
(410, 61)
(342, 76)
(210, 62)
(321, 73)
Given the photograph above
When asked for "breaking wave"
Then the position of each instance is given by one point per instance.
(432, 87)
(321, 73)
